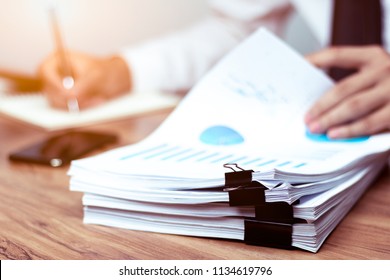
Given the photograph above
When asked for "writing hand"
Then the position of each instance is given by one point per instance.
(359, 104)
(96, 80)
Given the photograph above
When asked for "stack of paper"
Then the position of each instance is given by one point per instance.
(248, 110)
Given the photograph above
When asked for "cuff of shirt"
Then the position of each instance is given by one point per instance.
(145, 63)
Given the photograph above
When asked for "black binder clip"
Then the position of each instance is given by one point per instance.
(242, 190)
(275, 235)
(278, 212)
(239, 177)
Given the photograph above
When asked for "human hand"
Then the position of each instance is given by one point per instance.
(96, 80)
(358, 105)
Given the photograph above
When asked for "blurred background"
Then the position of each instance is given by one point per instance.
(98, 26)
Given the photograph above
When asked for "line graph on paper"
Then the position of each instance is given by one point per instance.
(264, 93)
(263, 97)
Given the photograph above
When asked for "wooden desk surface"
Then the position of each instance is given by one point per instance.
(41, 219)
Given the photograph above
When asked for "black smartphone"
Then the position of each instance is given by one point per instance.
(61, 149)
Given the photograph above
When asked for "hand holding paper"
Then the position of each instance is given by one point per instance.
(358, 105)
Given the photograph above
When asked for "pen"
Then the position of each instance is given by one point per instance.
(65, 65)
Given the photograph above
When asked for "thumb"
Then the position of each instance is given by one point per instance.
(317, 59)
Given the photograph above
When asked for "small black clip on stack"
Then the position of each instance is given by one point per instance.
(242, 190)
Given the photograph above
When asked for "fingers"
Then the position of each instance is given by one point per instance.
(341, 91)
(48, 72)
(96, 80)
(57, 96)
(359, 104)
(352, 109)
(345, 57)
(52, 83)
(53, 87)
(373, 123)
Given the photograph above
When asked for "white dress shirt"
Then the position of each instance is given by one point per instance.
(177, 61)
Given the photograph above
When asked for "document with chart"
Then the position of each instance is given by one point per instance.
(248, 112)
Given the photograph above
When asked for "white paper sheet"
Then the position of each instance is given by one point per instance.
(33, 108)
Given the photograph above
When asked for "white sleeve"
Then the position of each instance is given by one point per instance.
(177, 61)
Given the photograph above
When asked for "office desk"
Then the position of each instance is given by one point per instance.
(41, 219)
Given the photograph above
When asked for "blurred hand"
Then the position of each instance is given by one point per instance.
(96, 80)
(359, 104)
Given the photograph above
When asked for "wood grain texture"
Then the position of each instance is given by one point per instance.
(41, 219)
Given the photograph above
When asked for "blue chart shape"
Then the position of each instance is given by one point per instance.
(325, 138)
(221, 136)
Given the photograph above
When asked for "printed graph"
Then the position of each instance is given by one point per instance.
(324, 138)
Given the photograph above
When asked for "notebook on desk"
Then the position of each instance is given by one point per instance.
(33, 108)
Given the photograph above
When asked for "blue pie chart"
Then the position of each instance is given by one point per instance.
(220, 135)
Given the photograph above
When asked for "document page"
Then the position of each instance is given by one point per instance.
(248, 110)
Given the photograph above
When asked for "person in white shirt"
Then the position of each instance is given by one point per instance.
(357, 105)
